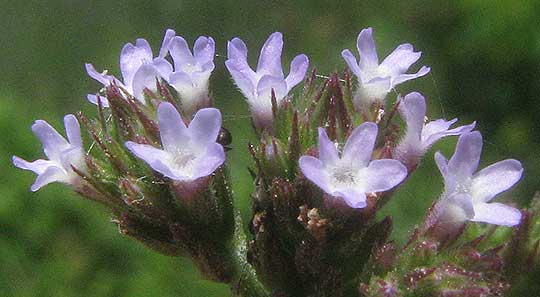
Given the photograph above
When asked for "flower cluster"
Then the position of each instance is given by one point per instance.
(327, 159)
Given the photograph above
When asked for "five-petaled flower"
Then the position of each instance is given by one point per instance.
(467, 193)
(188, 152)
(353, 174)
(376, 80)
(139, 69)
(257, 86)
(62, 154)
(192, 71)
(420, 136)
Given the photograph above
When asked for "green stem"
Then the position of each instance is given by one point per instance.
(245, 283)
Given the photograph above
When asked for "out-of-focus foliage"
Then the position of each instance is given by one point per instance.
(485, 59)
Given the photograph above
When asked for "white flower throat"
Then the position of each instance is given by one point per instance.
(343, 175)
(183, 157)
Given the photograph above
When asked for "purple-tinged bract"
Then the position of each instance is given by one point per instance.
(188, 153)
(352, 174)
(467, 194)
(376, 80)
(62, 154)
(257, 85)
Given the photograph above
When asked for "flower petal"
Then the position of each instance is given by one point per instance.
(299, 66)
(206, 164)
(132, 57)
(313, 170)
(172, 130)
(405, 77)
(204, 50)
(494, 179)
(399, 61)
(163, 67)
(73, 130)
(237, 50)
(467, 155)
(350, 59)
(435, 130)
(367, 50)
(353, 198)
(359, 146)
(413, 110)
(270, 57)
(328, 152)
(382, 175)
(169, 34)
(94, 100)
(180, 52)
(442, 164)
(497, 214)
(205, 126)
(181, 82)
(457, 208)
(268, 83)
(156, 158)
(102, 78)
(244, 79)
(53, 142)
(144, 78)
(51, 174)
(37, 166)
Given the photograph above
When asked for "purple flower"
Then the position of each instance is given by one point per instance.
(188, 152)
(139, 69)
(420, 136)
(353, 174)
(376, 80)
(467, 193)
(62, 154)
(192, 71)
(257, 86)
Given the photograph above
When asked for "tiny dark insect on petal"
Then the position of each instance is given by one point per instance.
(224, 137)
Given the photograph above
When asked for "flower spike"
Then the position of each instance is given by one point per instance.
(188, 152)
(352, 174)
(467, 194)
(420, 136)
(62, 154)
(257, 86)
(376, 80)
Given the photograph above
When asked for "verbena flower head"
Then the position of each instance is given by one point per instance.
(139, 69)
(257, 85)
(62, 154)
(352, 174)
(192, 70)
(376, 80)
(188, 153)
(420, 136)
(467, 194)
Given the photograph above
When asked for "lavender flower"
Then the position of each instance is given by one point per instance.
(420, 136)
(188, 152)
(467, 194)
(352, 175)
(62, 154)
(376, 80)
(257, 86)
(138, 67)
(192, 71)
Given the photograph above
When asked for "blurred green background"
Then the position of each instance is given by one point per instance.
(485, 59)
